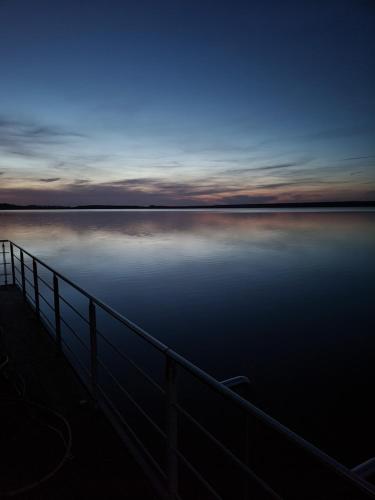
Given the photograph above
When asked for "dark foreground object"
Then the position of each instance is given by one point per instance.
(36, 387)
(41, 400)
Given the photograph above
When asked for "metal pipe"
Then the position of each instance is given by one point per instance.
(36, 287)
(12, 261)
(172, 422)
(56, 301)
(23, 275)
(365, 469)
(266, 419)
(236, 381)
(5, 265)
(93, 349)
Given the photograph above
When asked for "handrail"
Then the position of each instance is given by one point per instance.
(172, 359)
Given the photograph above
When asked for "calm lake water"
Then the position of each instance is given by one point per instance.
(284, 297)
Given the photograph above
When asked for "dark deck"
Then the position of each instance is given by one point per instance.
(99, 466)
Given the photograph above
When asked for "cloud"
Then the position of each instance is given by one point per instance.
(135, 182)
(158, 191)
(239, 171)
(275, 185)
(243, 199)
(358, 158)
(30, 138)
(192, 190)
(279, 165)
(79, 182)
(338, 133)
(81, 161)
(133, 191)
(33, 130)
(50, 179)
(303, 183)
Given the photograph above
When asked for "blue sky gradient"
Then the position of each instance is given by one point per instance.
(177, 102)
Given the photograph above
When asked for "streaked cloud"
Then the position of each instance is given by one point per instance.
(31, 138)
(162, 191)
(50, 179)
(358, 158)
(79, 182)
(278, 166)
(338, 133)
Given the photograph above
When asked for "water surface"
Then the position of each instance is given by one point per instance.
(284, 297)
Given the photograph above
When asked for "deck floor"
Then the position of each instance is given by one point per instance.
(99, 466)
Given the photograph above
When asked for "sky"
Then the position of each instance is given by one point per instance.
(186, 102)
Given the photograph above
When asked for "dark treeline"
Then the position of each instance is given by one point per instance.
(312, 204)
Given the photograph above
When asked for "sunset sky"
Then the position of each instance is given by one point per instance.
(181, 102)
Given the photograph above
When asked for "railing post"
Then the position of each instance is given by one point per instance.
(172, 422)
(36, 287)
(23, 275)
(56, 303)
(247, 456)
(12, 261)
(5, 265)
(94, 348)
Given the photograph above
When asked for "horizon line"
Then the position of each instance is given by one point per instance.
(307, 204)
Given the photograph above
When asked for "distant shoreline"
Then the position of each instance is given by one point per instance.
(325, 204)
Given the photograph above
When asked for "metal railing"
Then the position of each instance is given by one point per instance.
(269, 460)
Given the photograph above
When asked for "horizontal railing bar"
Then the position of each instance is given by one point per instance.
(76, 358)
(27, 267)
(74, 333)
(45, 283)
(74, 309)
(130, 397)
(24, 264)
(138, 368)
(133, 434)
(269, 421)
(227, 452)
(49, 322)
(29, 282)
(30, 299)
(16, 257)
(46, 301)
(198, 474)
(132, 326)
